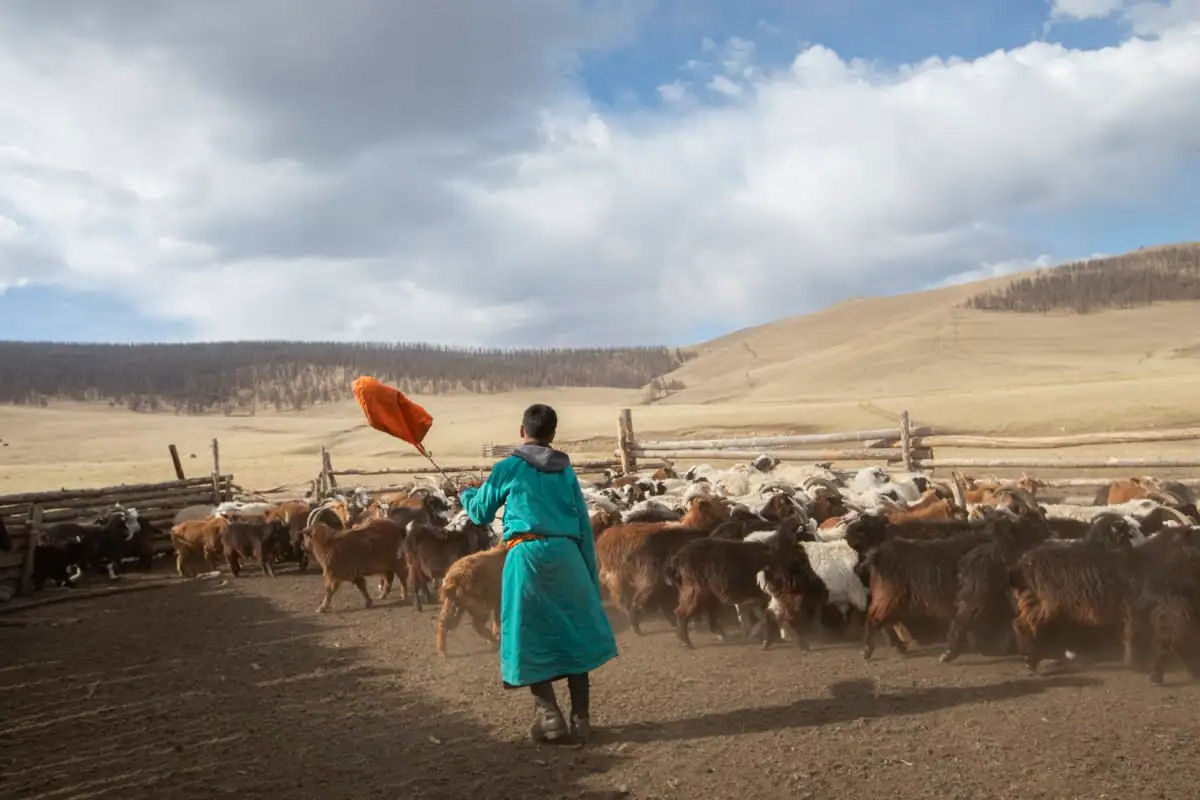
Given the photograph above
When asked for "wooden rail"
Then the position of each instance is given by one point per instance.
(916, 448)
(1057, 463)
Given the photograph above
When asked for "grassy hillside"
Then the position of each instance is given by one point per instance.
(956, 365)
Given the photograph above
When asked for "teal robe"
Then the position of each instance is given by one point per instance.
(552, 622)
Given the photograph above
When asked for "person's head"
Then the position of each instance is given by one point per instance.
(539, 424)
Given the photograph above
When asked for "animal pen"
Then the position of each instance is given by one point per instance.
(912, 448)
(27, 513)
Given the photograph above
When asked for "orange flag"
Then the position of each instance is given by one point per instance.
(388, 410)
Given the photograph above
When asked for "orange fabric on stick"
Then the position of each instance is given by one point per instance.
(388, 410)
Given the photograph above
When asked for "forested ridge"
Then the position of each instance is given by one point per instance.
(241, 377)
(1135, 279)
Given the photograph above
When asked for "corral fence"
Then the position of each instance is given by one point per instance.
(26, 515)
(913, 448)
(326, 482)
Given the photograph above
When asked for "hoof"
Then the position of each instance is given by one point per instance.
(1156, 678)
(947, 657)
(322, 609)
(867, 652)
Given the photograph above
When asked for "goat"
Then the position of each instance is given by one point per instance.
(1091, 584)
(429, 551)
(602, 520)
(351, 555)
(913, 580)
(981, 605)
(631, 563)
(198, 542)
(262, 540)
(710, 572)
(472, 585)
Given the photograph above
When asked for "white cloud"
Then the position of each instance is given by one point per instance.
(675, 93)
(1144, 17)
(996, 269)
(1085, 9)
(560, 222)
(723, 85)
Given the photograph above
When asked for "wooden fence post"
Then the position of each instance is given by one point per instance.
(216, 473)
(327, 471)
(175, 460)
(32, 532)
(625, 442)
(906, 441)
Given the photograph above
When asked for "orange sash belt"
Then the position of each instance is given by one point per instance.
(524, 537)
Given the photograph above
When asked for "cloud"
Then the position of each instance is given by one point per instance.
(723, 85)
(466, 189)
(1084, 9)
(997, 269)
(675, 93)
(1143, 17)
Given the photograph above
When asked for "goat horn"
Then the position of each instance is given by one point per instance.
(1175, 512)
(959, 492)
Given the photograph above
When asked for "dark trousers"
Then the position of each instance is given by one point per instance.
(577, 686)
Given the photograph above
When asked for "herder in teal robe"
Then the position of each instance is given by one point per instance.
(552, 624)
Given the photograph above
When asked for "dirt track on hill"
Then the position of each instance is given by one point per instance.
(235, 688)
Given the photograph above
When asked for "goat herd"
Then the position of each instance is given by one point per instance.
(788, 550)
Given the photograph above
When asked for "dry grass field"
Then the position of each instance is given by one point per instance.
(857, 364)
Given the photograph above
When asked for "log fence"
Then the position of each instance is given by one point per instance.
(911, 448)
(26, 514)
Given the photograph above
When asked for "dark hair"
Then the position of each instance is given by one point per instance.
(540, 422)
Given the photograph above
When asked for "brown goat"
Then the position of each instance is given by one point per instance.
(472, 585)
(603, 520)
(198, 542)
(929, 507)
(263, 540)
(352, 555)
(430, 550)
(1124, 490)
(711, 572)
(913, 580)
(1085, 585)
(628, 565)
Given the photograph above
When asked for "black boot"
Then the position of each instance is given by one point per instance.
(548, 723)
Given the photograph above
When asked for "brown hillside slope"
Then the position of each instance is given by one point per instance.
(1020, 371)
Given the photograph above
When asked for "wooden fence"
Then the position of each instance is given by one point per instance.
(326, 482)
(909, 447)
(25, 514)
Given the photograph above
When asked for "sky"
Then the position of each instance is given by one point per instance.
(568, 172)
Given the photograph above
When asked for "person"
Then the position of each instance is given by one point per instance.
(552, 623)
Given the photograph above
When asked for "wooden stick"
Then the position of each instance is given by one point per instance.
(578, 465)
(66, 494)
(1073, 440)
(1051, 463)
(327, 470)
(888, 434)
(33, 531)
(905, 441)
(890, 454)
(183, 496)
(625, 442)
(176, 462)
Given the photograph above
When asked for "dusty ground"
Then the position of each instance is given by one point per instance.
(237, 689)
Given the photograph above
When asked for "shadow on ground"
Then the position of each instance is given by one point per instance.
(196, 691)
(851, 700)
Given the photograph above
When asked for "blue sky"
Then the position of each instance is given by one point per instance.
(550, 172)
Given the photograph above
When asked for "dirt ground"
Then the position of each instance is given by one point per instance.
(236, 688)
